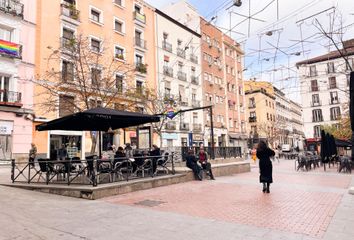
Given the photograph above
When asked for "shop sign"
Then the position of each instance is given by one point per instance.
(6, 127)
(169, 136)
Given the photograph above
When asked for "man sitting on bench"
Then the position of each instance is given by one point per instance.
(203, 160)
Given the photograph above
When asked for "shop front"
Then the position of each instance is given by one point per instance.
(72, 140)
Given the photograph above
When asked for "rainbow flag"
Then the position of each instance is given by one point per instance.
(9, 48)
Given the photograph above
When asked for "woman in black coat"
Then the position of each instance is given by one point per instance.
(265, 165)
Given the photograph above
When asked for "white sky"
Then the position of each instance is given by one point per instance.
(272, 64)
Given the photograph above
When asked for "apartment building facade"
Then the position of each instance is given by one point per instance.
(119, 32)
(179, 81)
(324, 89)
(298, 136)
(222, 80)
(261, 112)
(17, 34)
(283, 118)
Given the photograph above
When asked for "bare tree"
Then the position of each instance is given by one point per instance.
(272, 130)
(81, 76)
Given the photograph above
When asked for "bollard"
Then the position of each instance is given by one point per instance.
(94, 179)
(13, 170)
(173, 164)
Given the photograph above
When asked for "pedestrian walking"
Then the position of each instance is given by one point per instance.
(276, 155)
(32, 155)
(191, 162)
(265, 165)
(254, 155)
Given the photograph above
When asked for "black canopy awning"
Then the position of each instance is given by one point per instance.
(343, 143)
(98, 119)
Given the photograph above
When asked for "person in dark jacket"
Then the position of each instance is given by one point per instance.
(191, 162)
(155, 152)
(265, 165)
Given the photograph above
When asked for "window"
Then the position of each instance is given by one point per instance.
(350, 67)
(317, 115)
(266, 102)
(95, 77)
(334, 97)
(330, 67)
(348, 80)
(332, 82)
(315, 100)
(335, 113)
(267, 116)
(4, 90)
(314, 86)
(95, 15)
(119, 53)
(118, 26)
(119, 2)
(95, 45)
(252, 102)
(317, 131)
(139, 86)
(66, 105)
(67, 71)
(5, 34)
(138, 59)
(119, 83)
(313, 71)
(93, 103)
(137, 8)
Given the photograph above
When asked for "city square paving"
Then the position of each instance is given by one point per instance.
(301, 205)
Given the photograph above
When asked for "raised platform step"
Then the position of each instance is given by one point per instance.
(183, 174)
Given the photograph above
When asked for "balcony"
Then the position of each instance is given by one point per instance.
(194, 80)
(10, 49)
(141, 67)
(194, 58)
(197, 127)
(166, 46)
(184, 101)
(182, 76)
(168, 96)
(252, 106)
(334, 101)
(314, 89)
(140, 43)
(316, 104)
(195, 103)
(139, 17)
(68, 44)
(170, 125)
(70, 11)
(10, 98)
(181, 53)
(168, 71)
(184, 126)
(12, 7)
(252, 119)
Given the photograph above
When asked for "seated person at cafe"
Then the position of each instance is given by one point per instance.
(155, 152)
(191, 162)
(203, 160)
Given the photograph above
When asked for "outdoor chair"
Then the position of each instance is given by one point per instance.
(121, 167)
(162, 164)
(345, 165)
(104, 168)
(302, 163)
(142, 165)
(47, 167)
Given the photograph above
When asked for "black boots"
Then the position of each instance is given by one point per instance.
(266, 188)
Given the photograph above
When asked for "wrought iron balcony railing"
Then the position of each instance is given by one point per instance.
(12, 7)
(140, 17)
(10, 97)
(70, 11)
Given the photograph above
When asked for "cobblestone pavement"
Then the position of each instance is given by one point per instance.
(300, 202)
(301, 206)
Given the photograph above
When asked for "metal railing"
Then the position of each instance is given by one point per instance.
(70, 11)
(68, 43)
(194, 58)
(252, 119)
(197, 127)
(219, 152)
(168, 71)
(315, 104)
(182, 76)
(167, 46)
(139, 16)
(141, 67)
(140, 43)
(170, 125)
(91, 171)
(181, 53)
(12, 7)
(194, 80)
(10, 97)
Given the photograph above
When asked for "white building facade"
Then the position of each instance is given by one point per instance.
(17, 46)
(298, 136)
(179, 80)
(324, 82)
(283, 118)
